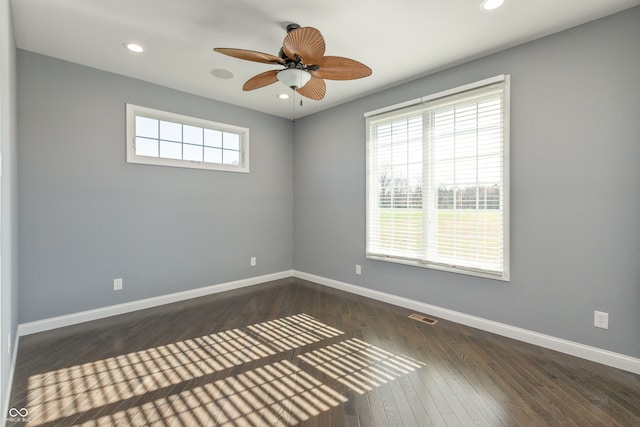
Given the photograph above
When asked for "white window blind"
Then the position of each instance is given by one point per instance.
(437, 181)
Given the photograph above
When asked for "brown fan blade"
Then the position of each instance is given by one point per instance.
(339, 68)
(305, 44)
(261, 80)
(314, 89)
(250, 55)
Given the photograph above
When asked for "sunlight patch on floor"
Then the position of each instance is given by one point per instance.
(277, 394)
(176, 382)
(72, 390)
(358, 365)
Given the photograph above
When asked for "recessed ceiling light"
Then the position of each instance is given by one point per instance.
(134, 47)
(491, 4)
(222, 74)
(283, 96)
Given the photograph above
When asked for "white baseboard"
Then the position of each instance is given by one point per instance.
(594, 354)
(100, 313)
(582, 351)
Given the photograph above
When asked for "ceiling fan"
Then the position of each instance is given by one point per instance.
(305, 66)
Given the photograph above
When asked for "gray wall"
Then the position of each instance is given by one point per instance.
(8, 201)
(87, 217)
(575, 203)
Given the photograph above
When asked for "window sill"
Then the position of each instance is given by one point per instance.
(500, 276)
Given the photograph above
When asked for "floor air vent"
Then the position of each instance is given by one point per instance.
(423, 319)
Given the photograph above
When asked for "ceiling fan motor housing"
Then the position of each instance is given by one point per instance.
(292, 26)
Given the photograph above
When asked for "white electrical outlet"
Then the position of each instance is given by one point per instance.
(601, 319)
(253, 261)
(358, 269)
(117, 284)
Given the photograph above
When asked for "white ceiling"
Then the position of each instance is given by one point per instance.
(399, 39)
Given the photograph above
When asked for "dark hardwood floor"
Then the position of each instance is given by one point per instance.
(295, 353)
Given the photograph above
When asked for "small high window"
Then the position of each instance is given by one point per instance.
(161, 138)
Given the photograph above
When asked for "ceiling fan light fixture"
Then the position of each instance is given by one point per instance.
(491, 4)
(294, 78)
(283, 95)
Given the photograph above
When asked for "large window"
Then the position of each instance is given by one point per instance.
(438, 182)
(168, 139)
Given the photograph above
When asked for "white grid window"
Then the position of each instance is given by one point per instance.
(437, 181)
(167, 139)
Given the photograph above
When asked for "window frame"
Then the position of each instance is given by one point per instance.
(370, 117)
(133, 111)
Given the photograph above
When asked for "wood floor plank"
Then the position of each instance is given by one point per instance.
(292, 352)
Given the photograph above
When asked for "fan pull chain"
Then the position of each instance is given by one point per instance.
(294, 93)
(293, 104)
